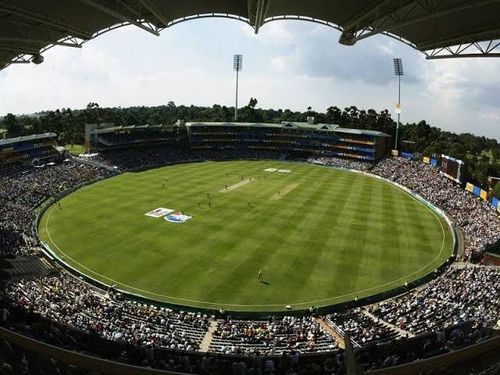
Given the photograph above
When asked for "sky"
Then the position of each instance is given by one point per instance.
(289, 64)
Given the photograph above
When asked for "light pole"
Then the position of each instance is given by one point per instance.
(398, 70)
(237, 66)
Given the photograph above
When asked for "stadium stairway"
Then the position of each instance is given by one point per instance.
(207, 339)
(401, 332)
(328, 329)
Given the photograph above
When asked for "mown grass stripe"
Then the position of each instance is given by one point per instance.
(335, 236)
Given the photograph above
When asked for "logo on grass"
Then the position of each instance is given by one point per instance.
(159, 212)
(177, 217)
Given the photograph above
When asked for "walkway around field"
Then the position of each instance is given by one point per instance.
(236, 186)
(280, 194)
(207, 340)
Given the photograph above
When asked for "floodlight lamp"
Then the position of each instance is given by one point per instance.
(37, 59)
(238, 63)
(398, 67)
(347, 38)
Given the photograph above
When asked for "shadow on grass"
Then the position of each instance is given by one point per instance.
(265, 282)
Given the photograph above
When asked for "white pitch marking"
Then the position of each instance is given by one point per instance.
(236, 186)
(282, 193)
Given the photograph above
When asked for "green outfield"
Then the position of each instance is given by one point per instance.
(319, 235)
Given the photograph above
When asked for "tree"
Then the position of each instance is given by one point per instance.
(252, 103)
(249, 113)
(14, 128)
(333, 115)
(92, 113)
(480, 154)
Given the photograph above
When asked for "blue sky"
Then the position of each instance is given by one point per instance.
(289, 64)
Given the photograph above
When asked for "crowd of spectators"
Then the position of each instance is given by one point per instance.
(66, 300)
(60, 330)
(361, 328)
(460, 295)
(300, 334)
(141, 157)
(22, 189)
(342, 163)
(434, 343)
(13, 242)
(475, 217)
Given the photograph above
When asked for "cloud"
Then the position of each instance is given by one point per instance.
(274, 32)
(248, 31)
(279, 63)
(468, 90)
(277, 32)
(484, 95)
(317, 53)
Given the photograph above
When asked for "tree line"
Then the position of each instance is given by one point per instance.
(480, 154)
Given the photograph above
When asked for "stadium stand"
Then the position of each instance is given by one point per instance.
(35, 149)
(297, 140)
(424, 346)
(461, 295)
(456, 310)
(273, 336)
(24, 188)
(125, 136)
(294, 139)
(362, 329)
(341, 163)
(66, 300)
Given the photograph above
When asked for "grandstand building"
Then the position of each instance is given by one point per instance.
(127, 136)
(297, 140)
(32, 149)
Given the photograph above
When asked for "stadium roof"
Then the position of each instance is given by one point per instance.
(296, 125)
(113, 129)
(35, 137)
(362, 132)
(438, 28)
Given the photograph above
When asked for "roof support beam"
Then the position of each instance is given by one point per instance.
(384, 23)
(20, 61)
(118, 15)
(486, 49)
(463, 55)
(459, 39)
(45, 42)
(146, 4)
(355, 23)
(257, 11)
(38, 18)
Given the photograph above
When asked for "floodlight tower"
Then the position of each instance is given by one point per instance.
(398, 71)
(237, 66)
